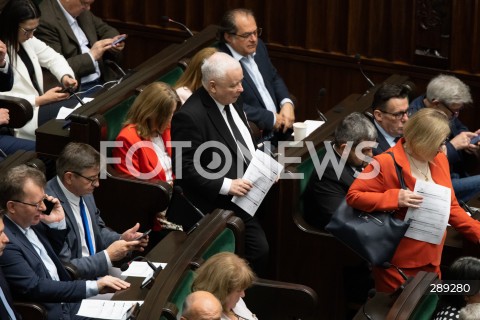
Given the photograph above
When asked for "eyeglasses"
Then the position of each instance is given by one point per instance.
(454, 113)
(26, 32)
(36, 205)
(92, 180)
(246, 35)
(397, 115)
(444, 142)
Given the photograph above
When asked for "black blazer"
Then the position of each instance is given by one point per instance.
(6, 79)
(198, 121)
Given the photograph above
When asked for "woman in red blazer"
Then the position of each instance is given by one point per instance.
(421, 154)
(145, 152)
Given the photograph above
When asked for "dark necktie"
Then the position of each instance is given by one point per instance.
(86, 228)
(238, 136)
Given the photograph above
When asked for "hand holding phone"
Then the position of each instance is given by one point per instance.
(66, 89)
(49, 205)
(122, 38)
(475, 140)
(144, 235)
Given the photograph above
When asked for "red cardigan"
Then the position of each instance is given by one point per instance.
(381, 193)
(144, 159)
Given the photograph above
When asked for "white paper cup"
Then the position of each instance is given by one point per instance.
(300, 131)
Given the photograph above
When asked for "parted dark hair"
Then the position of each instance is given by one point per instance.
(15, 12)
(13, 181)
(77, 157)
(386, 92)
(227, 24)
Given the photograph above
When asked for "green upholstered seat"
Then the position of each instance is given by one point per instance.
(307, 168)
(183, 289)
(115, 117)
(426, 308)
(172, 76)
(225, 242)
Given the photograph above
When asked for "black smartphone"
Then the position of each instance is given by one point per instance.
(146, 233)
(64, 90)
(475, 140)
(122, 38)
(49, 205)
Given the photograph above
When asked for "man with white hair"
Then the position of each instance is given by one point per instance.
(213, 121)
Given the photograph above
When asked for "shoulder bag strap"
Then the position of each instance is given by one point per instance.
(399, 172)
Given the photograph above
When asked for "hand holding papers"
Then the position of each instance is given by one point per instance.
(262, 171)
(428, 223)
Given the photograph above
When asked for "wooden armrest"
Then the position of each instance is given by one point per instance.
(21, 111)
(72, 270)
(30, 310)
(291, 301)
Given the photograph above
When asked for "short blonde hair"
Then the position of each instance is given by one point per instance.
(425, 131)
(192, 77)
(222, 274)
(156, 102)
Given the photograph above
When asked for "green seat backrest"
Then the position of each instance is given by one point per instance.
(115, 117)
(426, 308)
(172, 76)
(307, 168)
(225, 242)
(183, 289)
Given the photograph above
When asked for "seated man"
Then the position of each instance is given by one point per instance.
(390, 106)
(450, 95)
(266, 98)
(29, 262)
(201, 305)
(327, 189)
(90, 245)
(82, 38)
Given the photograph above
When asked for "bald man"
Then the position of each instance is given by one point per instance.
(201, 305)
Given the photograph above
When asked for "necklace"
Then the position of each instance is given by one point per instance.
(425, 175)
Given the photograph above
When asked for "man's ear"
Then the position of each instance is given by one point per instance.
(67, 178)
(377, 114)
(227, 37)
(341, 148)
(10, 207)
(212, 86)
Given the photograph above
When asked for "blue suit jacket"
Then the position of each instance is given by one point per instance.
(8, 296)
(92, 266)
(254, 106)
(28, 277)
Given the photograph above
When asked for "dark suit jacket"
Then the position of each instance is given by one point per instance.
(323, 195)
(199, 121)
(254, 106)
(92, 266)
(8, 296)
(55, 31)
(6, 79)
(28, 277)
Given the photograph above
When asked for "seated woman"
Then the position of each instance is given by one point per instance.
(421, 155)
(463, 270)
(226, 276)
(145, 152)
(27, 55)
(327, 189)
(191, 79)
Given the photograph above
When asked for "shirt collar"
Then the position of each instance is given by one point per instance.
(389, 138)
(72, 198)
(71, 20)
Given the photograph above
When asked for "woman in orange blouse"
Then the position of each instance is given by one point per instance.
(145, 152)
(421, 154)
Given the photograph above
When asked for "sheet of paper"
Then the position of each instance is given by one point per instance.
(64, 112)
(105, 309)
(141, 269)
(312, 125)
(262, 171)
(428, 223)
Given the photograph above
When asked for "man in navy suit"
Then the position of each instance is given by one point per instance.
(29, 262)
(390, 113)
(78, 168)
(265, 96)
(210, 177)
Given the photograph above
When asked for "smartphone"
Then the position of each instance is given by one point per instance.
(145, 234)
(64, 90)
(49, 205)
(475, 140)
(122, 38)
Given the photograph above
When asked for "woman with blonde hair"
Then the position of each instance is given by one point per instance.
(226, 276)
(421, 155)
(145, 152)
(191, 79)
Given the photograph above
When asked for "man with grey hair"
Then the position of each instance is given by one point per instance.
(201, 305)
(213, 122)
(90, 245)
(327, 188)
(449, 94)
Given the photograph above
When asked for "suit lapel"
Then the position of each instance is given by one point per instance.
(60, 16)
(87, 28)
(21, 237)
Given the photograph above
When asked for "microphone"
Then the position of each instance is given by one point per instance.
(321, 94)
(371, 293)
(179, 190)
(148, 282)
(166, 19)
(358, 58)
(387, 265)
(70, 90)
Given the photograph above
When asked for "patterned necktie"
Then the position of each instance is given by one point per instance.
(86, 227)
(238, 136)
